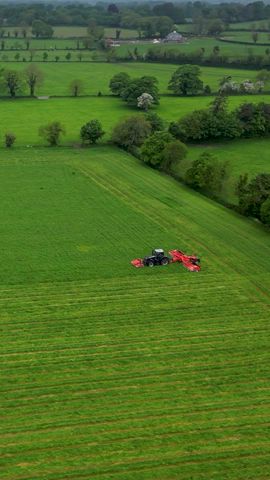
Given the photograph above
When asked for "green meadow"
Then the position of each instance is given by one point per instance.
(113, 372)
(25, 116)
(194, 44)
(96, 76)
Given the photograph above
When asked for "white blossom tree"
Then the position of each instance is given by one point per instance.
(145, 101)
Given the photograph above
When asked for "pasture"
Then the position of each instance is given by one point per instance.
(115, 373)
(25, 116)
(96, 76)
(263, 37)
(194, 44)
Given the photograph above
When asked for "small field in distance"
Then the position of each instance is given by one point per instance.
(115, 373)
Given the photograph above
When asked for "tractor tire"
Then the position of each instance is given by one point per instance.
(150, 264)
(164, 261)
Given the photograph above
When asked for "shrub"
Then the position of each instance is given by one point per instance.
(52, 133)
(9, 139)
(91, 132)
(173, 153)
(131, 132)
(153, 148)
(156, 122)
(265, 212)
(207, 174)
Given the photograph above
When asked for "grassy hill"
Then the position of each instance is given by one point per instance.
(113, 372)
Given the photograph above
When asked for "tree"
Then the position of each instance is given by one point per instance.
(145, 101)
(52, 133)
(265, 212)
(45, 56)
(41, 29)
(119, 82)
(255, 36)
(164, 26)
(219, 105)
(136, 87)
(80, 56)
(241, 185)
(91, 132)
(131, 132)
(9, 139)
(215, 26)
(112, 9)
(202, 125)
(207, 174)
(153, 148)
(12, 82)
(173, 153)
(76, 87)
(263, 76)
(156, 122)
(185, 80)
(94, 31)
(255, 193)
(34, 78)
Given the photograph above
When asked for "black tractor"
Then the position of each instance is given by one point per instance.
(157, 258)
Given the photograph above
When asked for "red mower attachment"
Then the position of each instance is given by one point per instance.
(191, 262)
(137, 262)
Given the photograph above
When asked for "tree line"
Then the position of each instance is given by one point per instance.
(198, 57)
(130, 15)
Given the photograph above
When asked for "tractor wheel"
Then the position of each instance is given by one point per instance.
(150, 263)
(164, 261)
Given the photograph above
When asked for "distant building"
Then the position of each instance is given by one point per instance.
(174, 37)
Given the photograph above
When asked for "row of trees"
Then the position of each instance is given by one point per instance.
(247, 121)
(13, 82)
(129, 14)
(197, 57)
(254, 196)
(148, 139)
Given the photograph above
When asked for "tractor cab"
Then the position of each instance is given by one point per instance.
(157, 258)
(158, 252)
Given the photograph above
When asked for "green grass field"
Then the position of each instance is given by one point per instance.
(194, 44)
(263, 37)
(96, 76)
(25, 116)
(60, 46)
(264, 24)
(115, 373)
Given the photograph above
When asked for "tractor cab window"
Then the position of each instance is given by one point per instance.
(158, 251)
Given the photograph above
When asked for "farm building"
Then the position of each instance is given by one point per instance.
(174, 37)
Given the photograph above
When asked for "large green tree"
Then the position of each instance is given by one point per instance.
(119, 82)
(91, 132)
(131, 132)
(185, 80)
(136, 87)
(153, 148)
(41, 29)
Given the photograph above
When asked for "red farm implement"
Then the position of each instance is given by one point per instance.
(191, 262)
